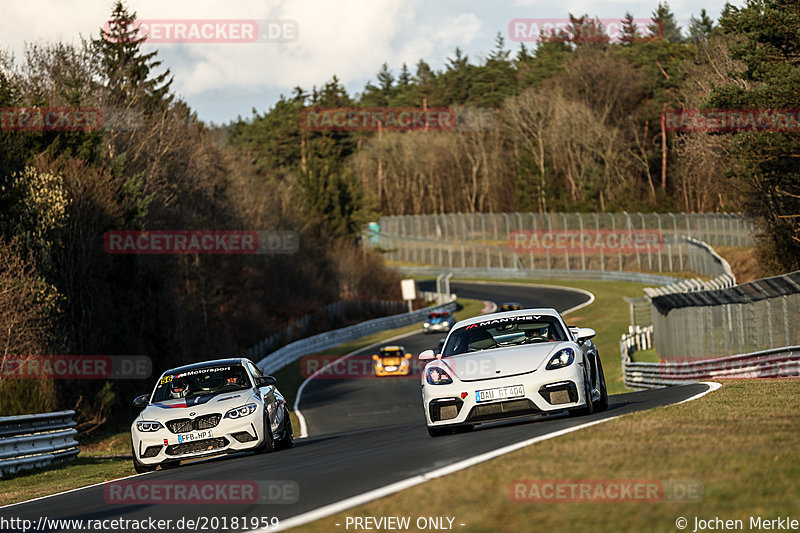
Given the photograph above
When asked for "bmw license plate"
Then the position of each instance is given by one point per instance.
(197, 435)
(500, 393)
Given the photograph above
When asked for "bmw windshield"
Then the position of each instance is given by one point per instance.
(508, 331)
(201, 382)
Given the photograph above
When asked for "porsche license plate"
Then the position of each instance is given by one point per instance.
(500, 393)
(197, 435)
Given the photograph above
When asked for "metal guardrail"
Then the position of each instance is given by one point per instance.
(294, 351)
(778, 362)
(300, 326)
(513, 273)
(28, 441)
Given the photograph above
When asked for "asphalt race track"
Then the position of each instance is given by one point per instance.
(364, 433)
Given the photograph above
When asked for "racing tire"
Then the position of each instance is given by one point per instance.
(287, 440)
(139, 467)
(587, 392)
(269, 443)
(602, 403)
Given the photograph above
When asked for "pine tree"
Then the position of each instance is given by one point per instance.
(767, 169)
(129, 71)
(664, 24)
(630, 33)
(700, 29)
(496, 80)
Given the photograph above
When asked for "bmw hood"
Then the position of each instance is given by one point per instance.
(197, 405)
(502, 362)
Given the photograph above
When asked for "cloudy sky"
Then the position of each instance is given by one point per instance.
(349, 38)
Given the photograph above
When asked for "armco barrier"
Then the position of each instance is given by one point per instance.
(28, 441)
(294, 351)
(780, 362)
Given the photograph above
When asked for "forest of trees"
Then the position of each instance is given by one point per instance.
(60, 191)
(576, 126)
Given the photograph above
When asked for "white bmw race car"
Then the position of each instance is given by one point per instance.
(510, 364)
(220, 406)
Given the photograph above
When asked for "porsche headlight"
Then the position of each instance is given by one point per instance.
(239, 412)
(148, 426)
(437, 376)
(445, 324)
(562, 358)
(426, 324)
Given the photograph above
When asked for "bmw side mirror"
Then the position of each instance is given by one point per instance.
(141, 401)
(265, 381)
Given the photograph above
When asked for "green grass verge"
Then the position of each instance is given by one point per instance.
(742, 443)
(81, 472)
(645, 356)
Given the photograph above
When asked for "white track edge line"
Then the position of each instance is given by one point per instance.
(374, 494)
(71, 490)
(296, 405)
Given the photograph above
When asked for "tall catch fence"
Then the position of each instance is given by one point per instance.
(563, 241)
(713, 228)
(746, 318)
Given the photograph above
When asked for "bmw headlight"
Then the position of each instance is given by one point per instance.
(562, 358)
(239, 412)
(149, 426)
(437, 376)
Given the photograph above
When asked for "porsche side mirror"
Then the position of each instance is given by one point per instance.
(141, 401)
(408, 356)
(585, 334)
(427, 355)
(376, 357)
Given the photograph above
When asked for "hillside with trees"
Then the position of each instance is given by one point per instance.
(163, 169)
(574, 124)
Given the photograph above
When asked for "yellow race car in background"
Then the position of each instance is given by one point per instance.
(392, 361)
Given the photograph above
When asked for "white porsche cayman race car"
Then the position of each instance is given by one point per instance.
(220, 406)
(511, 364)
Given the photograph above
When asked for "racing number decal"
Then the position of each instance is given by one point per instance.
(166, 379)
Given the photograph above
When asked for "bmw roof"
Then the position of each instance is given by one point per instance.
(204, 364)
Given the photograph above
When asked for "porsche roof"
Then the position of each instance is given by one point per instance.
(505, 314)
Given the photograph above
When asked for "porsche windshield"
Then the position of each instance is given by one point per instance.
(509, 331)
(201, 382)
